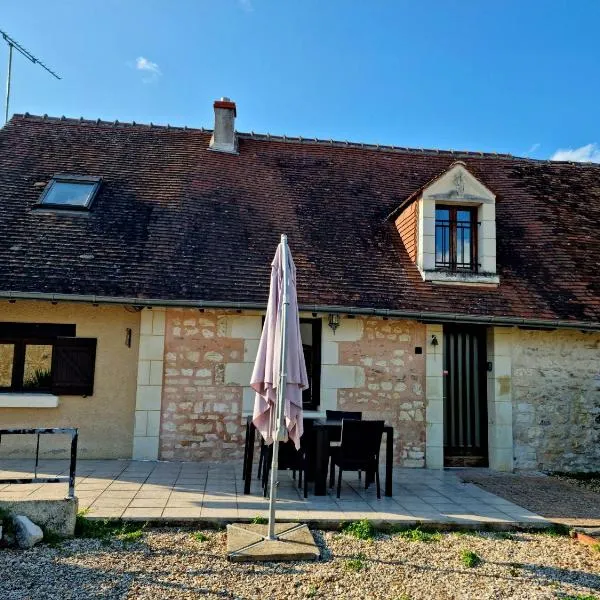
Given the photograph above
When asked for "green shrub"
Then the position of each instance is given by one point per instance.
(356, 563)
(469, 559)
(418, 535)
(363, 529)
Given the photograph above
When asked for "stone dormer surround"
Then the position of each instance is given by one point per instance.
(416, 225)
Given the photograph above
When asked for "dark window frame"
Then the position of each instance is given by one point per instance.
(452, 226)
(61, 337)
(66, 178)
(311, 398)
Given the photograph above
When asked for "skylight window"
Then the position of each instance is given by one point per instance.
(74, 192)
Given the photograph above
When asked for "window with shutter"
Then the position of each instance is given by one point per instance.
(46, 357)
(73, 366)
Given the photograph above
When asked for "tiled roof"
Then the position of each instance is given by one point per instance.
(175, 221)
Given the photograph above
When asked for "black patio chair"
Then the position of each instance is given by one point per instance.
(359, 451)
(338, 415)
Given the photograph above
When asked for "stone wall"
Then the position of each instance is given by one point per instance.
(368, 365)
(208, 361)
(391, 382)
(556, 400)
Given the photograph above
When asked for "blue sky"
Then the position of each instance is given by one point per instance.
(511, 76)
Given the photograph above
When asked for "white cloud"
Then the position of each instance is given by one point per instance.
(533, 148)
(587, 153)
(150, 69)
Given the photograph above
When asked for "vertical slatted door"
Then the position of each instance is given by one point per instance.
(465, 397)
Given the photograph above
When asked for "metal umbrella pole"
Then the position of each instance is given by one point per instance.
(279, 427)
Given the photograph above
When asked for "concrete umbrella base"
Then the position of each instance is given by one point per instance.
(247, 543)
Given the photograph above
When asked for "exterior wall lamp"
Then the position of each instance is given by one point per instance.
(334, 322)
(434, 340)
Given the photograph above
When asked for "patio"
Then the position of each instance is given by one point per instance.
(213, 492)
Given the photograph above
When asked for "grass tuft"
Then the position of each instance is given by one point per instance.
(200, 537)
(580, 597)
(418, 535)
(104, 529)
(356, 564)
(260, 521)
(469, 559)
(362, 530)
(555, 530)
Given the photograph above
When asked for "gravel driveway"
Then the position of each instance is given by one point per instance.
(173, 564)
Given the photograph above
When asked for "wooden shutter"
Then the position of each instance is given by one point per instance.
(73, 365)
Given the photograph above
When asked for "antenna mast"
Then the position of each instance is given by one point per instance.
(14, 44)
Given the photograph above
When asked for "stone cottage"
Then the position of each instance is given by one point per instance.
(454, 294)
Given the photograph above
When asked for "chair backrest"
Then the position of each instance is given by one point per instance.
(361, 440)
(338, 415)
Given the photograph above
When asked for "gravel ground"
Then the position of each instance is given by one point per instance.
(566, 500)
(589, 482)
(165, 564)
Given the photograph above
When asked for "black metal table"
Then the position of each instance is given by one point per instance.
(323, 428)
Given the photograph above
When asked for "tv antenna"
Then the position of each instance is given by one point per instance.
(14, 44)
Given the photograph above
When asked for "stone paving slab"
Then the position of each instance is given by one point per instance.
(212, 492)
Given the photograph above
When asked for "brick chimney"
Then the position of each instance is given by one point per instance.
(224, 138)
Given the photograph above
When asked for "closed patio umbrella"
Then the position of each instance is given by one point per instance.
(279, 374)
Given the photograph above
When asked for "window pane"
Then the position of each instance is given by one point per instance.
(38, 363)
(7, 353)
(69, 193)
(442, 237)
(463, 215)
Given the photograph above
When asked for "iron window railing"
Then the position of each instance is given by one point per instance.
(456, 238)
(70, 478)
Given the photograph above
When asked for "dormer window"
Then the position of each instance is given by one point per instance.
(456, 238)
(74, 192)
(448, 227)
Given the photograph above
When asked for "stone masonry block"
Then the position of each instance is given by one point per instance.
(339, 376)
(145, 448)
(148, 397)
(156, 372)
(329, 353)
(158, 321)
(151, 347)
(141, 422)
(238, 373)
(244, 326)
(146, 322)
(250, 350)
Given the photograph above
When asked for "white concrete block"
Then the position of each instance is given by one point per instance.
(153, 428)
(250, 350)
(27, 532)
(156, 372)
(146, 322)
(434, 363)
(350, 330)
(238, 373)
(248, 327)
(488, 248)
(151, 347)
(148, 397)
(488, 264)
(502, 366)
(434, 412)
(503, 414)
(434, 434)
(141, 422)
(503, 436)
(487, 212)
(434, 457)
(329, 399)
(145, 448)
(248, 395)
(428, 257)
(329, 353)
(501, 459)
(143, 375)
(434, 388)
(339, 376)
(429, 227)
(158, 321)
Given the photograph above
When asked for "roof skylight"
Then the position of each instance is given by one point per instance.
(74, 192)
